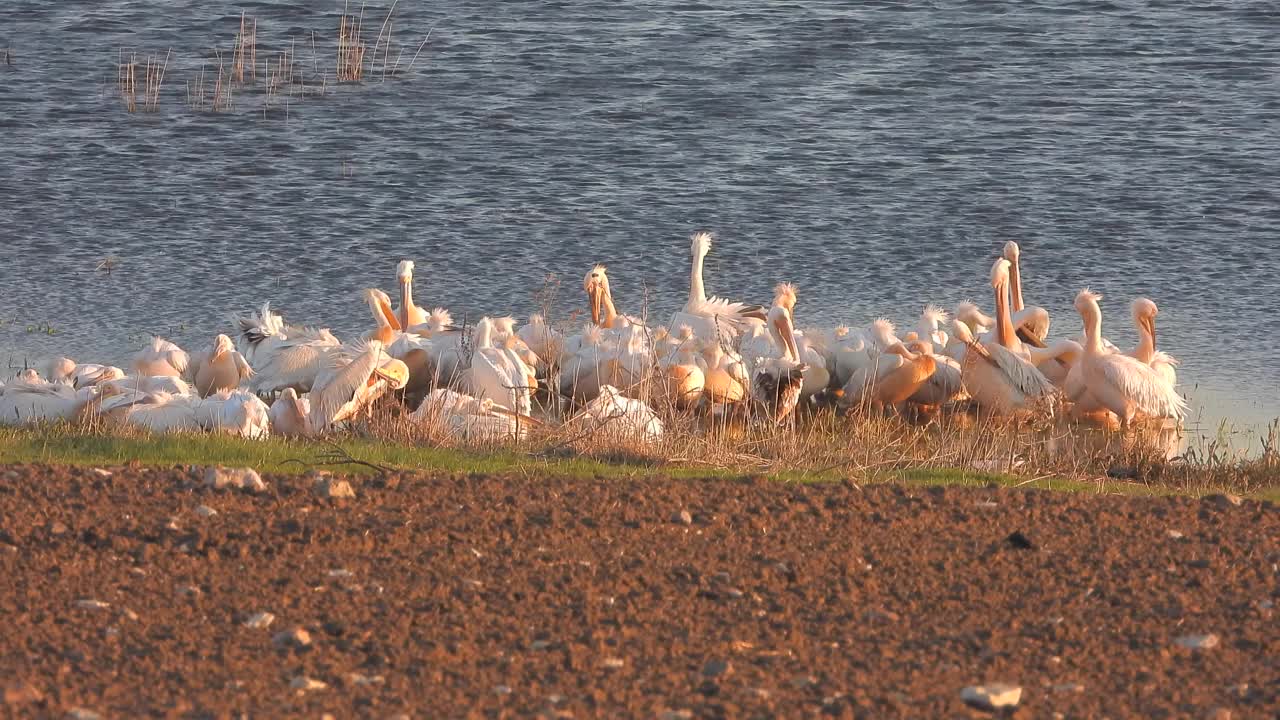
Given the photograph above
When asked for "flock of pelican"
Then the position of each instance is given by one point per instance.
(617, 374)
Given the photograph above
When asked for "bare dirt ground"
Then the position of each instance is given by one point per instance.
(469, 596)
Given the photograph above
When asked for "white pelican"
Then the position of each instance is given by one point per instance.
(621, 418)
(858, 349)
(776, 380)
(681, 370)
(890, 378)
(220, 367)
(1032, 320)
(27, 400)
(347, 386)
(283, 356)
(498, 373)
(816, 375)
(543, 340)
(135, 385)
(725, 379)
(504, 334)
(711, 318)
(944, 384)
(160, 357)
(1056, 360)
(409, 315)
(81, 375)
(471, 419)
(289, 415)
(600, 296)
(235, 412)
(585, 366)
(157, 412)
(386, 325)
(929, 329)
(1124, 385)
(996, 373)
(1144, 313)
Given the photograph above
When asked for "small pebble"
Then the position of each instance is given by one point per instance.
(1198, 642)
(79, 713)
(101, 472)
(365, 680)
(716, 668)
(1174, 534)
(303, 683)
(92, 604)
(502, 689)
(683, 517)
(297, 637)
(992, 697)
(205, 511)
(220, 478)
(676, 715)
(613, 663)
(340, 573)
(327, 487)
(260, 621)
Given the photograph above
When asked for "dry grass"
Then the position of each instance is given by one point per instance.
(283, 78)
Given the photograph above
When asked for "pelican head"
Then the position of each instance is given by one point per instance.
(60, 369)
(784, 294)
(684, 333)
(395, 372)
(404, 271)
(1144, 315)
(1000, 273)
(883, 331)
(222, 345)
(700, 244)
(934, 316)
(1012, 251)
(596, 283)
(1087, 301)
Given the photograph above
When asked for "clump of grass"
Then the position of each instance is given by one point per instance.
(351, 47)
(245, 51)
(153, 69)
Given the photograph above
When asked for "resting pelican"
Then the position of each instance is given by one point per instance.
(816, 375)
(160, 357)
(1144, 313)
(776, 381)
(386, 325)
(235, 412)
(135, 385)
(725, 379)
(681, 370)
(1032, 322)
(348, 386)
(471, 419)
(711, 318)
(81, 375)
(890, 378)
(409, 315)
(27, 400)
(585, 366)
(282, 356)
(289, 415)
(944, 384)
(498, 373)
(157, 412)
(997, 376)
(620, 418)
(1124, 385)
(860, 348)
(220, 367)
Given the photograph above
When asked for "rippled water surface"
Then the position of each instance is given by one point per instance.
(875, 153)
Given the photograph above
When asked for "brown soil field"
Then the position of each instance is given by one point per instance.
(438, 596)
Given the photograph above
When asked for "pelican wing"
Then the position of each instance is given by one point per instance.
(1021, 374)
(1150, 393)
(341, 386)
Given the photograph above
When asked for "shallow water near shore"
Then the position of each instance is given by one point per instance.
(878, 156)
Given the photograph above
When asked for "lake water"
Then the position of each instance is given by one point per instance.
(877, 154)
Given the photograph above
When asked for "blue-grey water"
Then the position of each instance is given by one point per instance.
(877, 154)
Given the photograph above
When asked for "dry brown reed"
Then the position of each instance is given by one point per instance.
(351, 47)
(153, 69)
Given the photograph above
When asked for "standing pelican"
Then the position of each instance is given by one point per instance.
(1144, 313)
(160, 357)
(1124, 385)
(711, 317)
(221, 367)
(996, 372)
(776, 381)
(603, 312)
(1031, 322)
(409, 314)
(348, 386)
(498, 373)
